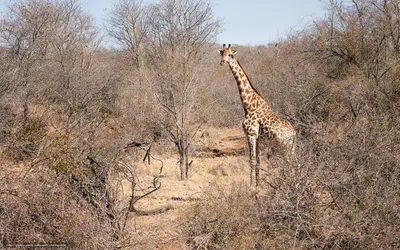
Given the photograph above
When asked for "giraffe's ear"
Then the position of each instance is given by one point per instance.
(234, 52)
(220, 52)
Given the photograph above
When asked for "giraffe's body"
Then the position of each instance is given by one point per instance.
(259, 120)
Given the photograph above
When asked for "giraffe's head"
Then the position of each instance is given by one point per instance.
(227, 54)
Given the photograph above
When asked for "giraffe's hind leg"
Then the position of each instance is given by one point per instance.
(289, 147)
(257, 167)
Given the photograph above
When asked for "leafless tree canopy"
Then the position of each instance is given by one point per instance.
(129, 27)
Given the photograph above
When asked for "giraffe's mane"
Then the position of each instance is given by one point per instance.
(248, 79)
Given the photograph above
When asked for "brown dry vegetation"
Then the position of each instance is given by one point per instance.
(140, 147)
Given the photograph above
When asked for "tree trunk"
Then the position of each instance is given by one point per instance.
(184, 159)
(25, 106)
(182, 163)
(186, 162)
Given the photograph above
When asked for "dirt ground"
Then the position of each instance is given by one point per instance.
(220, 159)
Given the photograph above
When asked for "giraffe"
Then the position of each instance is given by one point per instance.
(260, 120)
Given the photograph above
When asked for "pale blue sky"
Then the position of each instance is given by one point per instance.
(246, 22)
(255, 22)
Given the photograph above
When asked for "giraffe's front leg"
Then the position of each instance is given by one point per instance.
(252, 139)
(251, 131)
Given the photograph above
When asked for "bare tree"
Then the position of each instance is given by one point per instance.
(25, 34)
(128, 26)
(179, 32)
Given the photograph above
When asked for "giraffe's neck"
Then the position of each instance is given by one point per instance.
(246, 90)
